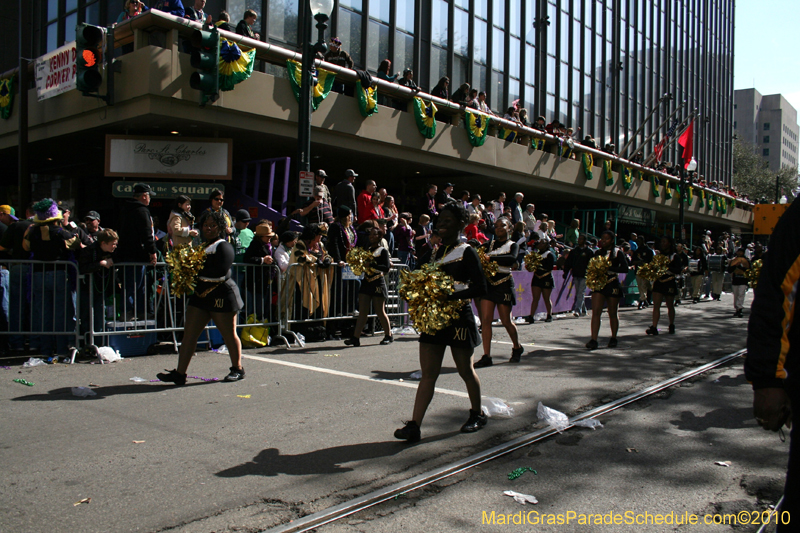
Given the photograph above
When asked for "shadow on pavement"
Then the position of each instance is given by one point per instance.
(65, 393)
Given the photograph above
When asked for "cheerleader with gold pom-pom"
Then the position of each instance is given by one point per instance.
(602, 277)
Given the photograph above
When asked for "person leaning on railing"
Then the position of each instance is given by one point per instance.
(259, 281)
(97, 259)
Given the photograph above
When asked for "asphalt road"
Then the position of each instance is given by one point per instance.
(310, 428)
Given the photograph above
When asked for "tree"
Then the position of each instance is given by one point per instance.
(752, 176)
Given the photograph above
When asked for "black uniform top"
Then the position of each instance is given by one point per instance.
(50, 242)
(578, 260)
(505, 255)
(217, 266)
(464, 269)
(683, 257)
(642, 255)
(739, 272)
(12, 240)
(546, 266)
(674, 268)
(381, 262)
(90, 257)
(619, 262)
(702, 265)
(136, 238)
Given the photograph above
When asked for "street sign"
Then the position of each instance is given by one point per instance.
(306, 184)
(766, 216)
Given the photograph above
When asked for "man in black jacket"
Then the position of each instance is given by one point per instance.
(245, 26)
(137, 244)
(344, 193)
(641, 256)
(577, 262)
(773, 347)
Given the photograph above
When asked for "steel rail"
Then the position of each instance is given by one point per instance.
(371, 499)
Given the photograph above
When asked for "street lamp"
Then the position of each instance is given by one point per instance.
(320, 10)
(691, 167)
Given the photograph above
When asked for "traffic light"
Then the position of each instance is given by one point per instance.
(89, 48)
(205, 58)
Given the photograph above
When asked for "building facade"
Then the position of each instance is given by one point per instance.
(769, 123)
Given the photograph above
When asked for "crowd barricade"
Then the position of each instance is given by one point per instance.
(42, 306)
(314, 296)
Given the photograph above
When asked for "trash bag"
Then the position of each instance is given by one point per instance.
(495, 407)
(254, 336)
(555, 419)
(107, 354)
(33, 361)
(588, 423)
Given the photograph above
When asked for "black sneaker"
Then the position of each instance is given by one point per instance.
(237, 374)
(172, 376)
(672, 328)
(484, 361)
(591, 345)
(696, 301)
(652, 330)
(516, 353)
(410, 432)
(528, 319)
(641, 304)
(475, 422)
(353, 341)
(548, 319)
(612, 342)
(387, 340)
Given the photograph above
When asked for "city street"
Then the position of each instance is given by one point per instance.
(312, 427)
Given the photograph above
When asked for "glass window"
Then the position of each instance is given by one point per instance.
(52, 9)
(496, 93)
(576, 42)
(766, 138)
(513, 15)
(350, 34)
(564, 29)
(462, 4)
(403, 51)
(479, 77)
(550, 108)
(355, 5)
(461, 32)
(563, 79)
(766, 126)
(530, 63)
(551, 74)
(69, 27)
(563, 107)
(459, 73)
(587, 91)
(552, 12)
(93, 13)
(587, 49)
(52, 36)
(513, 57)
(766, 151)
(498, 48)
(576, 86)
(71, 5)
(530, 95)
(479, 45)
(438, 65)
(513, 92)
(499, 13)
(482, 9)
(380, 9)
(377, 45)
(405, 15)
(283, 20)
(439, 23)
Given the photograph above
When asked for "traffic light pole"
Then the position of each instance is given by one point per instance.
(309, 53)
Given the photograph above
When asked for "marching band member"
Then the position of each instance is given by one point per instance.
(717, 264)
(698, 270)
(738, 268)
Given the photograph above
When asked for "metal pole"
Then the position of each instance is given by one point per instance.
(304, 118)
(661, 100)
(658, 129)
(680, 204)
(777, 188)
(23, 171)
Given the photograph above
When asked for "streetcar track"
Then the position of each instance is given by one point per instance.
(376, 497)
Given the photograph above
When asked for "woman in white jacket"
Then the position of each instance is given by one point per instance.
(181, 220)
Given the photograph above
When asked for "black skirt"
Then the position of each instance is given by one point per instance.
(546, 282)
(462, 333)
(613, 289)
(374, 288)
(224, 298)
(667, 288)
(502, 294)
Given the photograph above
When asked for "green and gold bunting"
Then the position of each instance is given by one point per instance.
(235, 64)
(627, 179)
(587, 162)
(732, 203)
(319, 92)
(477, 126)
(709, 200)
(723, 205)
(667, 191)
(6, 97)
(507, 135)
(425, 115)
(537, 144)
(654, 186)
(564, 150)
(638, 174)
(689, 195)
(607, 173)
(367, 100)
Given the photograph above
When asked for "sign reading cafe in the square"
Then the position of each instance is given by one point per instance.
(168, 157)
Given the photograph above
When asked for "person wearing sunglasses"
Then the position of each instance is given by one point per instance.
(217, 199)
(131, 9)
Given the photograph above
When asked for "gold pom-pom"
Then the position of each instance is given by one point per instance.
(655, 269)
(489, 266)
(185, 262)
(359, 259)
(533, 260)
(597, 272)
(426, 292)
(753, 272)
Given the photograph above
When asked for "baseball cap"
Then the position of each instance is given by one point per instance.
(322, 174)
(92, 215)
(141, 188)
(350, 172)
(243, 215)
(8, 210)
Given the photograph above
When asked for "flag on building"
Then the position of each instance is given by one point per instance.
(6, 97)
(425, 115)
(686, 140)
(659, 149)
(235, 64)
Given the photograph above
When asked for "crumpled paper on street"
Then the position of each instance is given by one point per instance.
(556, 419)
(524, 499)
(588, 423)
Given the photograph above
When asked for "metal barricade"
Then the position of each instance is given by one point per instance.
(42, 306)
(322, 296)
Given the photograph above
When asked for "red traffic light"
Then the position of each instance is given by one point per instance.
(89, 58)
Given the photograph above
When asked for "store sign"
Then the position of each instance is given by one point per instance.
(636, 215)
(161, 157)
(55, 72)
(306, 184)
(167, 190)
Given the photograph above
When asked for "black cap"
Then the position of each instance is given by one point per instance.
(350, 173)
(322, 174)
(343, 211)
(64, 207)
(446, 185)
(243, 215)
(92, 215)
(288, 236)
(141, 188)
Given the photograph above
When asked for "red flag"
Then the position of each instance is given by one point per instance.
(659, 149)
(686, 140)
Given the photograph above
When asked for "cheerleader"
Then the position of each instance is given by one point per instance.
(542, 282)
(500, 293)
(611, 293)
(461, 262)
(665, 288)
(216, 297)
(373, 290)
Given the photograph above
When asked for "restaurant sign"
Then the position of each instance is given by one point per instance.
(163, 157)
(167, 189)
